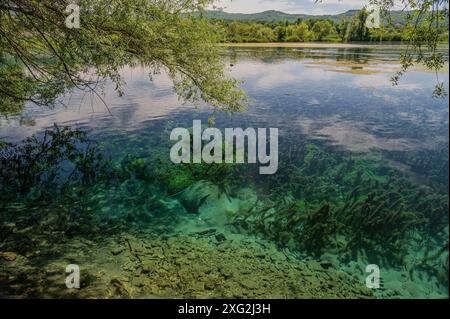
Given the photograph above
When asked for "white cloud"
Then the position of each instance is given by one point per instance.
(272, 75)
(251, 6)
(291, 6)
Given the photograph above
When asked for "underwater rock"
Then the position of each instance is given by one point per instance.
(9, 226)
(220, 237)
(326, 264)
(117, 251)
(329, 260)
(249, 283)
(413, 290)
(173, 206)
(214, 206)
(314, 265)
(182, 267)
(120, 289)
(248, 198)
(87, 279)
(226, 272)
(196, 195)
(393, 288)
(206, 233)
(8, 256)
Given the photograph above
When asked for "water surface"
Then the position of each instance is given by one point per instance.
(346, 135)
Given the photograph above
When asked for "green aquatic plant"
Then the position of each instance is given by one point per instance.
(371, 208)
(310, 230)
(316, 172)
(432, 164)
(135, 167)
(177, 177)
(379, 222)
(174, 178)
(437, 260)
(318, 230)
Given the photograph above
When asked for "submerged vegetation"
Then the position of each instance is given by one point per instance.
(368, 207)
(317, 223)
(327, 203)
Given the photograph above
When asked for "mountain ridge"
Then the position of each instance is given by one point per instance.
(279, 16)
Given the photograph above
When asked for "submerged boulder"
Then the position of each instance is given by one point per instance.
(197, 194)
(8, 256)
(212, 206)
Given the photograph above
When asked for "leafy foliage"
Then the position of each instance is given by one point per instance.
(426, 21)
(40, 58)
(346, 27)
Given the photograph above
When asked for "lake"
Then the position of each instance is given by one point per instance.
(362, 179)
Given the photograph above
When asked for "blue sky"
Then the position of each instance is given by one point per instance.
(291, 6)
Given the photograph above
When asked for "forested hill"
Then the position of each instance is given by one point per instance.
(276, 26)
(273, 16)
(398, 17)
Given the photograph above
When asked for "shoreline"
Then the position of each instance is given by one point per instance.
(303, 45)
(319, 45)
(333, 45)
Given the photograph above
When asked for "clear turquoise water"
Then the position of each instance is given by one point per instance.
(349, 139)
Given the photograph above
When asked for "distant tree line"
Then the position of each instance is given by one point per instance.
(311, 29)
